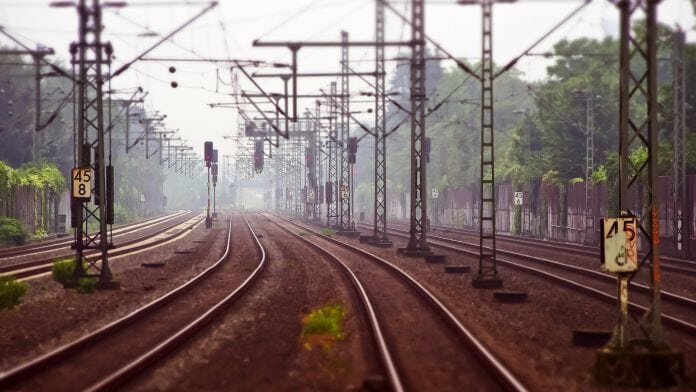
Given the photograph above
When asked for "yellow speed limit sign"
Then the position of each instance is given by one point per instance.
(619, 245)
(82, 183)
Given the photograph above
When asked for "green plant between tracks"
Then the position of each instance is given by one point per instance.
(86, 285)
(328, 232)
(323, 326)
(63, 270)
(11, 292)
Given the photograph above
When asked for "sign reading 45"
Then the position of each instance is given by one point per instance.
(619, 245)
(82, 183)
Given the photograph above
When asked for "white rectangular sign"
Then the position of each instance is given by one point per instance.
(345, 194)
(435, 193)
(619, 245)
(518, 198)
(82, 183)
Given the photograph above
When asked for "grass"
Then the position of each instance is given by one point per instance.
(323, 326)
(86, 285)
(328, 232)
(11, 292)
(63, 269)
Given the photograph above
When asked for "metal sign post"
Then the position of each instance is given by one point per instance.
(649, 361)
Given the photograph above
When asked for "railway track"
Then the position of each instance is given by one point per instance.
(679, 310)
(414, 323)
(161, 327)
(680, 266)
(61, 243)
(182, 223)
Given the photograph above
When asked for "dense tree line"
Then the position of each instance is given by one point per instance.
(547, 118)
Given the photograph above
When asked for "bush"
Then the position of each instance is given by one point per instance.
(86, 285)
(63, 270)
(12, 231)
(39, 234)
(11, 292)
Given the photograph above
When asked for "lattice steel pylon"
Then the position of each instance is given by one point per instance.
(649, 361)
(332, 181)
(487, 275)
(345, 185)
(89, 56)
(316, 162)
(380, 227)
(418, 241)
(589, 168)
(681, 232)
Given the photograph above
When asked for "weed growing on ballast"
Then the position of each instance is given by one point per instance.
(86, 285)
(322, 326)
(11, 292)
(63, 269)
(328, 232)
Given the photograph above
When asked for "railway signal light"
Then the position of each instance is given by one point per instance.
(215, 156)
(214, 172)
(208, 153)
(352, 149)
(258, 156)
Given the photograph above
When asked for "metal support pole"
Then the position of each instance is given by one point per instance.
(589, 168)
(681, 225)
(650, 361)
(36, 136)
(417, 243)
(380, 237)
(92, 55)
(332, 218)
(345, 184)
(487, 275)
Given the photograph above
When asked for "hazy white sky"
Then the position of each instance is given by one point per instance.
(229, 29)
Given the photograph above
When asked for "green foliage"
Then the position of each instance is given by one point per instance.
(86, 285)
(599, 174)
(552, 177)
(575, 180)
(63, 270)
(323, 325)
(11, 292)
(329, 232)
(122, 215)
(12, 232)
(39, 234)
(517, 220)
(42, 175)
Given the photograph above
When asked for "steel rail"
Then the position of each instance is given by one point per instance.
(672, 321)
(146, 360)
(497, 369)
(676, 298)
(36, 267)
(567, 246)
(385, 354)
(57, 243)
(43, 362)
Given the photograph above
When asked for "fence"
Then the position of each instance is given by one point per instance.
(559, 213)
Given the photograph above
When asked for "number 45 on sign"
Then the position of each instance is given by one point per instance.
(81, 183)
(619, 245)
